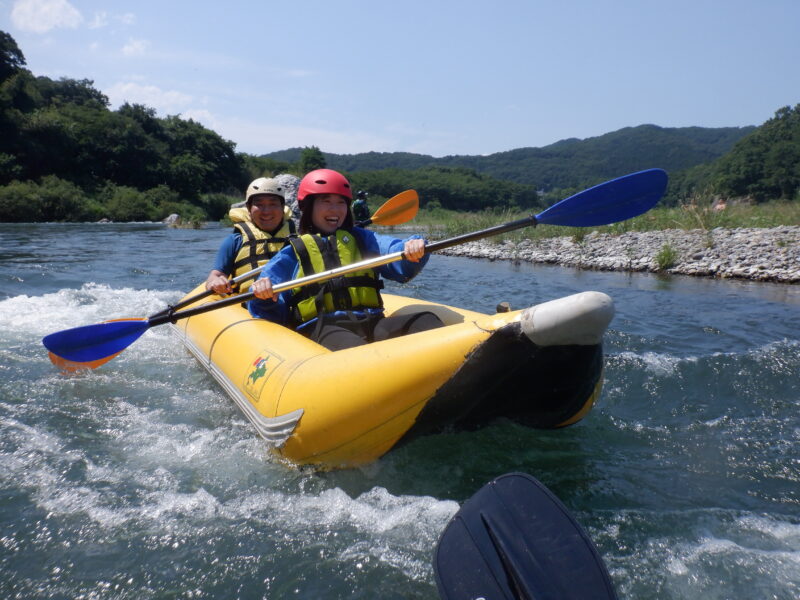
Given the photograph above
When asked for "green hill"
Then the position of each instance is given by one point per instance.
(568, 163)
(766, 164)
(66, 156)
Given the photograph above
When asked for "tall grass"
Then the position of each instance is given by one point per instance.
(441, 222)
(666, 257)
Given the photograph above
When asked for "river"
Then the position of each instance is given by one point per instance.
(142, 480)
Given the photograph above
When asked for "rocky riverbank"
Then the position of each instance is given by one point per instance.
(756, 254)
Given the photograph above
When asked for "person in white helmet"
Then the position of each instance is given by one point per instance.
(260, 229)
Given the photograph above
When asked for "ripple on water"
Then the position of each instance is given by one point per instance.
(142, 480)
(134, 467)
(722, 554)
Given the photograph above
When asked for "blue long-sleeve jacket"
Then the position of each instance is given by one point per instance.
(284, 267)
(226, 254)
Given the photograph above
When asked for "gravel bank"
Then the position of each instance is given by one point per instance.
(756, 254)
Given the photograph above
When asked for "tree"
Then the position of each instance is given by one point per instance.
(311, 158)
(145, 117)
(187, 173)
(11, 57)
(71, 91)
(51, 200)
(766, 164)
(128, 204)
(215, 159)
(18, 97)
(259, 166)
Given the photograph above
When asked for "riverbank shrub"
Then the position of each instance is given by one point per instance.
(56, 200)
(123, 203)
(666, 257)
(216, 206)
(52, 199)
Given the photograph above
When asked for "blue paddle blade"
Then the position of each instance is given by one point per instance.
(92, 345)
(609, 202)
(515, 540)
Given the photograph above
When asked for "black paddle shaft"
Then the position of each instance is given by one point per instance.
(483, 233)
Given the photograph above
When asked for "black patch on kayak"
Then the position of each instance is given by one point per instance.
(511, 377)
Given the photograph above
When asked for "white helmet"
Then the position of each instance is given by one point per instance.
(265, 185)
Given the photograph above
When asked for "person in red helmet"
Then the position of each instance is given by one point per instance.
(346, 311)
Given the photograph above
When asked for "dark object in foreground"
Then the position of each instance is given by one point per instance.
(514, 540)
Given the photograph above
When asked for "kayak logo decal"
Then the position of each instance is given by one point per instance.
(259, 371)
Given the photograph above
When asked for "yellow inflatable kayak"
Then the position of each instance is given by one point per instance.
(540, 366)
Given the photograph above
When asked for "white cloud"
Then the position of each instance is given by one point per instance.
(135, 47)
(40, 16)
(201, 115)
(126, 19)
(100, 20)
(260, 138)
(164, 101)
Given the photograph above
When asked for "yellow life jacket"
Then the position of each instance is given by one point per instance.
(353, 291)
(258, 246)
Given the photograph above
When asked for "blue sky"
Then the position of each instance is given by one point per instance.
(433, 77)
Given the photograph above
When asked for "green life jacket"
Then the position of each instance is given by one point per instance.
(258, 246)
(353, 291)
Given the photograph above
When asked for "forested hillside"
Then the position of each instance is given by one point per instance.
(766, 164)
(64, 155)
(752, 163)
(455, 188)
(568, 163)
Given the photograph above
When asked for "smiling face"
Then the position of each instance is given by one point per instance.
(329, 212)
(266, 211)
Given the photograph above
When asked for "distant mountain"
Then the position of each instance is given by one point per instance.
(567, 163)
(366, 161)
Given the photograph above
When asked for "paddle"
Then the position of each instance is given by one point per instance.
(396, 210)
(616, 200)
(515, 540)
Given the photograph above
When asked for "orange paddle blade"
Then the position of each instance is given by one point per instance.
(71, 366)
(397, 210)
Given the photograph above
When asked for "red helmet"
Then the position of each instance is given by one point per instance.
(323, 181)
